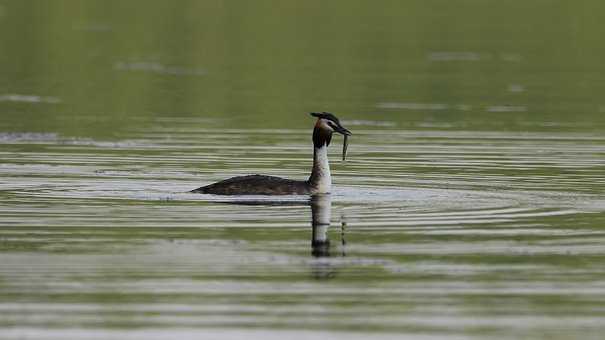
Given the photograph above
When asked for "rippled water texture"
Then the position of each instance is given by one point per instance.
(431, 232)
(471, 204)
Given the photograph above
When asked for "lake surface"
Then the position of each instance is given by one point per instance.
(471, 205)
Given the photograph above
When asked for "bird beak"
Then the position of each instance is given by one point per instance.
(340, 129)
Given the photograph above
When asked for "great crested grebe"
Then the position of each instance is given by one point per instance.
(320, 181)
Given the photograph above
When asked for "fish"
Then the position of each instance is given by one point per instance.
(345, 145)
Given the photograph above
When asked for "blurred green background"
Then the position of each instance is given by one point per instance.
(96, 67)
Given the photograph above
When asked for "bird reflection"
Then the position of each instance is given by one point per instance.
(321, 214)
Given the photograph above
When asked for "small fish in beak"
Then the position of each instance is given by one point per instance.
(345, 145)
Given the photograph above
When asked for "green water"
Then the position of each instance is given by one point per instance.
(471, 204)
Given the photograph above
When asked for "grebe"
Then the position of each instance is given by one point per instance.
(320, 181)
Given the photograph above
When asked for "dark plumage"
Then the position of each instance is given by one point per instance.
(256, 185)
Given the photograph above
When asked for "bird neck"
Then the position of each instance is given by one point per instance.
(321, 179)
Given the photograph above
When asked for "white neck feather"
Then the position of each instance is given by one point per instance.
(321, 179)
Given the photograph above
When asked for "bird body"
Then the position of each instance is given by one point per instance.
(256, 185)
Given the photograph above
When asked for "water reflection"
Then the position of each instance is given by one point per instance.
(321, 215)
